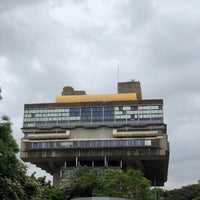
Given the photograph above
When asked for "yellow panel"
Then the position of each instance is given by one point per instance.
(96, 98)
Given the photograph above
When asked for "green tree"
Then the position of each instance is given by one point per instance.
(83, 183)
(8, 148)
(158, 193)
(14, 183)
(189, 192)
(131, 185)
(110, 183)
(47, 191)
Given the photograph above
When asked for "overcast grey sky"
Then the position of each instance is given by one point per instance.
(45, 45)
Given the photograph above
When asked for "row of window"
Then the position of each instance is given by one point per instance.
(94, 118)
(92, 114)
(116, 113)
(50, 124)
(91, 144)
(94, 109)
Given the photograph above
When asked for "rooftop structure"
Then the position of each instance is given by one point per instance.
(120, 131)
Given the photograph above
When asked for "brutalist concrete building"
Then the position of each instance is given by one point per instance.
(120, 131)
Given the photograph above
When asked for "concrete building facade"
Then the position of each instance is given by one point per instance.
(120, 131)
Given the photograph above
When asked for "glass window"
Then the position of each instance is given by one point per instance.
(97, 114)
(74, 112)
(34, 145)
(86, 114)
(147, 142)
(134, 107)
(126, 108)
(109, 113)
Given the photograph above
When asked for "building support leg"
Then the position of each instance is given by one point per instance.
(65, 164)
(105, 161)
(56, 177)
(121, 164)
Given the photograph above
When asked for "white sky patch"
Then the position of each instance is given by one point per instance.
(6, 78)
(75, 15)
(36, 65)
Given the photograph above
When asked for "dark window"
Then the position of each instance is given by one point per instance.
(86, 114)
(109, 113)
(97, 114)
(74, 112)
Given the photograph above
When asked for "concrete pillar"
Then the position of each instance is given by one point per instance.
(121, 164)
(56, 177)
(105, 161)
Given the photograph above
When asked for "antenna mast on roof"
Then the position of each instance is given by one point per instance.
(118, 73)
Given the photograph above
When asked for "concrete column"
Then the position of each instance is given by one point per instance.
(121, 164)
(56, 177)
(105, 161)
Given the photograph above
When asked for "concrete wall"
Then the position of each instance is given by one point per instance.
(130, 87)
(100, 133)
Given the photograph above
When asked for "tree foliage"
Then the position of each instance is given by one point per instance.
(14, 182)
(8, 148)
(47, 191)
(158, 193)
(189, 192)
(110, 183)
(131, 185)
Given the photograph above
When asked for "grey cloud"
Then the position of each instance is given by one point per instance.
(13, 4)
(173, 39)
(137, 15)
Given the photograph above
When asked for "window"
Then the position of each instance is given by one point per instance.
(97, 114)
(109, 113)
(74, 112)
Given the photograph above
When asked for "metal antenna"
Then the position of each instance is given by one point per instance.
(118, 73)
